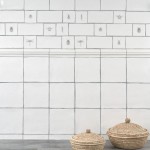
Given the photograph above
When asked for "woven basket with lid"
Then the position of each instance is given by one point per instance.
(128, 135)
(87, 141)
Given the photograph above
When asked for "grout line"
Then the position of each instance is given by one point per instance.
(100, 95)
(49, 97)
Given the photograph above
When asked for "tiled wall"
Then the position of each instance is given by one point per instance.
(68, 65)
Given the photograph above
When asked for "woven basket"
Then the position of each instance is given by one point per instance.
(128, 135)
(87, 141)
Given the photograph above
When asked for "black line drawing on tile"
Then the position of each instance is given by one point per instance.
(68, 42)
(11, 29)
(80, 41)
(139, 30)
(68, 17)
(119, 17)
(119, 42)
(100, 29)
(29, 41)
(49, 28)
(30, 16)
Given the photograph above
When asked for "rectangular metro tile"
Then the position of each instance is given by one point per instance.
(119, 17)
(69, 16)
(140, 116)
(87, 95)
(138, 95)
(81, 16)
(49, 29)
(137, 17)
(30, 16)
(68, 42)
(138, 69)
(11, 94)
(36, 69)
(113, 95)
(141, 5)
(49, 16)
(100, 16)
(12, 16)
(62, 95)
(118, 116)
(62, 4)
(113, 69)
(137, 42)
(139, 30)
(87, 69)
(99, 42)
(119, 42)
(62, 29)
(62, 121)
(48, 42)
(87, 5)
(62, 70)
(36, 95)
(83, 122)
(37, 5)
(100, 29)
(81, 29)
(30, 29)
(11, 69)
(13, 5)
(113, 5)
(119, 30)
(36, 121)
(29, 42)
(11, 42)
(12, 122)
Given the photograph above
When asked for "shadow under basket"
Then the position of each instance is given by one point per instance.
(87, 141)
(128, 135)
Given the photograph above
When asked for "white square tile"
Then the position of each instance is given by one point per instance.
(119, 17)
(37, 5)
(11, 94)
(88, 95)
(113, 5)
(113, 69)
(49, 29)
(68, 16)
(87, 119)
(35, 121)
(30, 16)
(111, 117)
(81, 17)
(80, 42)
(62, 4)
(36, 94)
(62, 121)
(138, 30)
(36, 69)
(87, 69)
(29, 41)
(62, 70)
(113, 95)
(138, 95)
(100, 29)
(62, 29)
(140, 116)
(138, 70)
(119, 42)
(11, 69)
(68, 42)
(62, 95)
(87, 5)
(11, 121)
(11, 29)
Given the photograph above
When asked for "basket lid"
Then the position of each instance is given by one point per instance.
(88, 138)
(128, 129)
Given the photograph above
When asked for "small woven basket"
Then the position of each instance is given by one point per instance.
(87, 141)
(128, 135)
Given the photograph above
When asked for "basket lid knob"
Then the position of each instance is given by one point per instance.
(88, 131)
(127, 120)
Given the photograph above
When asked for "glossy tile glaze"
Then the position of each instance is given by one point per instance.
(46, 145)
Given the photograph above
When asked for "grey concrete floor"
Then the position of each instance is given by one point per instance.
(46, 145)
